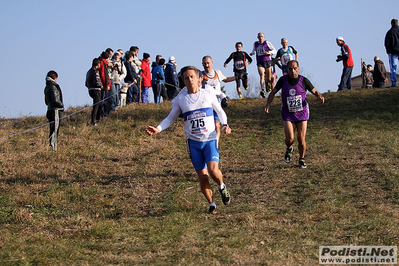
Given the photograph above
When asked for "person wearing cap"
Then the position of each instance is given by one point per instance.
(145, 77)
(380, 74)
(346, 58)
(171, 79)
(392, 48)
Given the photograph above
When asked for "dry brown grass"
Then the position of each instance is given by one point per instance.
(113, 195)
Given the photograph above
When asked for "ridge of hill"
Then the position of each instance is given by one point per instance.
(114, 195)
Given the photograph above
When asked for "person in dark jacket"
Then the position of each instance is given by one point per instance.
(171, 79)
(53, 100)
(94, 84)
(380, 75)
(158, 80)
(131, 78)
(392, 48)
(368, 79)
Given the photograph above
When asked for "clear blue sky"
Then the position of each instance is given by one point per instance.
(38, 36)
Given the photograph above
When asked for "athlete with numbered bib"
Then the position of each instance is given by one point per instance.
(294, 109)
(264, 51)
(197, 106)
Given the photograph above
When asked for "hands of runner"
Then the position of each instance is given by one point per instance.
(267, 109)
(152, 130)
(226, 129)
(320, 98)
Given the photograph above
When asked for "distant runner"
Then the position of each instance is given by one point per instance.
(295, 109)
(286, 54)
(240, 60)
(264, 51)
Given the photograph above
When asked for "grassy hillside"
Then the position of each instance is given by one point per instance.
(113, 195)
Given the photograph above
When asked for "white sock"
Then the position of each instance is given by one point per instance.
(212, 204)
(221, 186)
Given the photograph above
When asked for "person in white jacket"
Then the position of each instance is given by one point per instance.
(118, 74)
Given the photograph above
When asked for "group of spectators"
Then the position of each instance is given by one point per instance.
(378, 77)
(117, 78)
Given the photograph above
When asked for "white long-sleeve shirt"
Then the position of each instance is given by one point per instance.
(197, 109)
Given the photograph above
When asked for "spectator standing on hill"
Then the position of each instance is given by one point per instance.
(240, 62)
(55, 105)
(171, 79)
(131, 76)
(120, 51)
(264, 51)
(110, 104)
(136, 63)
(134, 91)
(294, 109)
(197, 106)
(380, 74)
(94, 84)
(145, 77)
(154, 64)
(392, 48)
(106, 83)
(368, 75)
(346, 58)
(119, 73)
(286, 54)
(158, 79)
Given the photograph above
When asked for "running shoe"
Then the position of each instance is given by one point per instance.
(302, 163)
(212, 209)
(288, 154)
(225, 195)
(268, 87)
(246, 88)
(262, 93)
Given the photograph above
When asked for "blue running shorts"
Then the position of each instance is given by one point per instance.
(202, 152)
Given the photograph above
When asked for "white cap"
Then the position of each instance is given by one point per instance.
(172, 58)
(340, 38)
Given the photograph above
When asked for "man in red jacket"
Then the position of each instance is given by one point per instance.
(145, 77)
(104, 76)
(346, 58)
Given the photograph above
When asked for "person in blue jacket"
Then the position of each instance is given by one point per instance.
(158, 80)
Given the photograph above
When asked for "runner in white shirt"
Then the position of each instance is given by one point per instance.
(213, 78)
(197, 106)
